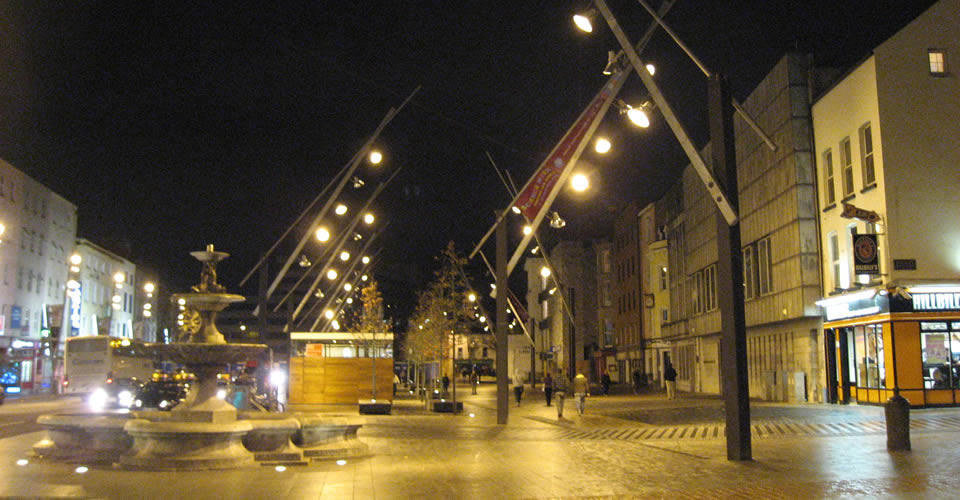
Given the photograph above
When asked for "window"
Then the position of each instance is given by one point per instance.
(829, 188)
(940, 349)
(664, 315)
(869, 351)
(663, 278)
(834, 250)
(866, 156)
(697, 293)
(605, 261)
(710, 287)
(764, 267)
(749, 273)
(846, 166)
(938, 61)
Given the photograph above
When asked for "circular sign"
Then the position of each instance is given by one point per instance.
(865, 248)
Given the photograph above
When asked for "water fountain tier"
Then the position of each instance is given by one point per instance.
(203, 431)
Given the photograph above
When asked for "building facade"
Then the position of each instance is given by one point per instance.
(562, 304)
(628, 296)
(886, 145)
(107, 297)
(38, 232)
(778, 214)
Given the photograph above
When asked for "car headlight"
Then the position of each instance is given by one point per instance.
(163, 404)
(139, 403)
(98, 399)
(221, 393)
(125, 399)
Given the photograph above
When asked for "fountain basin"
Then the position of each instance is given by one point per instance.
(207, 354)
(95, 438)
(172, 445)
(329, 438)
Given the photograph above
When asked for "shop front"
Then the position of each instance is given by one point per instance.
(879, 341)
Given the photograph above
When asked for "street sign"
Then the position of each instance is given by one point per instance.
(852, 212)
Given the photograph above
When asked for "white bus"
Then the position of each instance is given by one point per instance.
(90, 361)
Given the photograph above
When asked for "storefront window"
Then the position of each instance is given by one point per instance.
(940, 350)
(869, 351)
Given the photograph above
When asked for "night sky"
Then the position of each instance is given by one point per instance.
(176, 124)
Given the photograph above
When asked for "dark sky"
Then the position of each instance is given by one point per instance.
(176, 124)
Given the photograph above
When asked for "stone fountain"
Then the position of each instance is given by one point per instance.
(203, 431)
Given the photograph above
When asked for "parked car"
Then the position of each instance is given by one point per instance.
(115, 393)
(161, 394)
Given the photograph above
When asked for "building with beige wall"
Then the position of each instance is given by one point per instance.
(778, 214)
(886, 141)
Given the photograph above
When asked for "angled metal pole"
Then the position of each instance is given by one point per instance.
(335, 253)
(700, 166)
(299, 218)
(336, 192)
(736, 105)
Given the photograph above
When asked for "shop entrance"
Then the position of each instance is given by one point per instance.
(840, 356)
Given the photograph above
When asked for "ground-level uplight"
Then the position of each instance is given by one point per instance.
(341, 462)
(22, 462)
(81, 470)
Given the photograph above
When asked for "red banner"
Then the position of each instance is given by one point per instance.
(530, 201)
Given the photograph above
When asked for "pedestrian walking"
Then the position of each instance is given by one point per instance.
(561, 385)
(605, 382)
(474, 382)
(396, 382)
(446, 383)
(670, 378)
(517, 386)
(548, 387)
(580, 386)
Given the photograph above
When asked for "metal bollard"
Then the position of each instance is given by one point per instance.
(897, 413)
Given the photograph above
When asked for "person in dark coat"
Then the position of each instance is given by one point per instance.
(605, 382)
(548, 387)
(670, 377)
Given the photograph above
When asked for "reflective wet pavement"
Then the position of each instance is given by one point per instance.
(421, 455)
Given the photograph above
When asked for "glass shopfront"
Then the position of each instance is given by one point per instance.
(940, 351)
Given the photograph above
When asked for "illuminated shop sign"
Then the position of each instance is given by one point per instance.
(936, 301)
(864, 303)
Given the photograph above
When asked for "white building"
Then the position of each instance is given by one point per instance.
(106, 281)
(39, 229)
(886, 138)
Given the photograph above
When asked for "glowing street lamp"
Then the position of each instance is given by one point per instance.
(119, 278)
(341, 209)
(545, 272)
(368, 219)
(472, 297)
(376, 157)
(332, 274)
(602, 145)
(347, 287)
(344, 255)
(585, 20)
(365, 259)
(323, 234)
(580, 182)
(328, 314)
(527, 230)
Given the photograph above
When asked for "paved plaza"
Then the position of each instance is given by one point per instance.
(625, 446)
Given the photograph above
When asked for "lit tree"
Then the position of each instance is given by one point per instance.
(371, 326)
